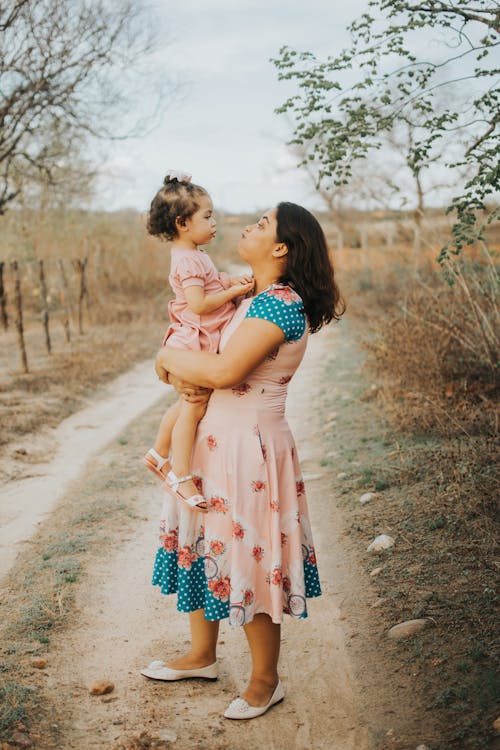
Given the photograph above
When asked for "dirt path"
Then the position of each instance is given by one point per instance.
(113, 622)
(72, 444)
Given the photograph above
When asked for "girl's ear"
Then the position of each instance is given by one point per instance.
(280, 250)
(180, 224)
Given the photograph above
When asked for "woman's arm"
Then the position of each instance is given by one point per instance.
(245, 350)
(201, 303)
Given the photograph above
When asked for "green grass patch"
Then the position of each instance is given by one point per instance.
(16, 701)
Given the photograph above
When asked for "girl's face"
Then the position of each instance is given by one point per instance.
(200, 227)
(259, 240)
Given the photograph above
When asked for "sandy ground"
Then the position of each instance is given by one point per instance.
(120, 623)
(25, 503)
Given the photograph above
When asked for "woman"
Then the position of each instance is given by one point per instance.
(251, 557)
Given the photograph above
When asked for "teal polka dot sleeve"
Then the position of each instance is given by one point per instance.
(283, 307)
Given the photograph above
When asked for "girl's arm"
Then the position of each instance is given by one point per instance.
(201, 303)
(255, 339)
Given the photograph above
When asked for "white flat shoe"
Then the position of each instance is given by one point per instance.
(240, 709)
(157, 670)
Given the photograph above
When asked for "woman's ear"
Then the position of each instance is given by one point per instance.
(280, 250)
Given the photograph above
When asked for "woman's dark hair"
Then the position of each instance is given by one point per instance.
(175, 200)
(309, 269)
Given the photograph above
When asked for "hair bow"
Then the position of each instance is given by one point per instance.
(174, 174)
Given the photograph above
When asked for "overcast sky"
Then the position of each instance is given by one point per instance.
(221, 126)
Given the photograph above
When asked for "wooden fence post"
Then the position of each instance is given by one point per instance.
(65, 286)
(81, 265)
(45, 311)
(65, 299)
(19, 321)
(3, 299)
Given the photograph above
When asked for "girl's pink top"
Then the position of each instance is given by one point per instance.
(187, 330)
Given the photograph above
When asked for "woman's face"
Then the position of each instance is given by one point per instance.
(259, 240)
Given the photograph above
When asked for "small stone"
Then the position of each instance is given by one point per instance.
(378, 602)
(311, 477)
(101, 687)
(380, 543)
(376, 571)
(496, 725)
(39, 663)
(367, 497)
(342, 475)
(109, 698)
(19, 739)
(167, 735)
(370, 393)
(421, 747)
(407, 628)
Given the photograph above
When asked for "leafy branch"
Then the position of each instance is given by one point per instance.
(339, 116)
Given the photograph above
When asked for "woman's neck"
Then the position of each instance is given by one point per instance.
(263, 280)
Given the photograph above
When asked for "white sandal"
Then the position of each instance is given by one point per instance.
(195, 501)
(158, 670)
(240, 709)
(157, 467)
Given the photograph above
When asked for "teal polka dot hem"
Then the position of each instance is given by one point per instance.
(280, 305)
(193, 593)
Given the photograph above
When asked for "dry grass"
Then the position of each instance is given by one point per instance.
(433, 342)
(434, 353)
(436, 497)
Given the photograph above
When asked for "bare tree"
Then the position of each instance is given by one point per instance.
(69, 70)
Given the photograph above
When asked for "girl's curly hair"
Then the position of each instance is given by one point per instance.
(175, 200)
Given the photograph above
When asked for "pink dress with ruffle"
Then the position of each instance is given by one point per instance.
(187, 330)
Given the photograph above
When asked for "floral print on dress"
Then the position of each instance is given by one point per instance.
(218, 504)
(238, 531)
(284, 293)
(276, 576)
(220, 588)
(258, 485)
(217, 547)
(186, 557)
(248, 597)
(257, 552)
(241, 389)
(211, 442)
(170, 540)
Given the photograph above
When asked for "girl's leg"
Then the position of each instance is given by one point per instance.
(263, 637)
(204, 634)
(183, 435)
(164, 437)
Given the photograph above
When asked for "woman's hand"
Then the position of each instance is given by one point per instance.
(195, 394)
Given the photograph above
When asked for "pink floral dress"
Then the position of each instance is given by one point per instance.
(253, 551)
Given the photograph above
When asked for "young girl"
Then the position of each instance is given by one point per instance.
(183, 212)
